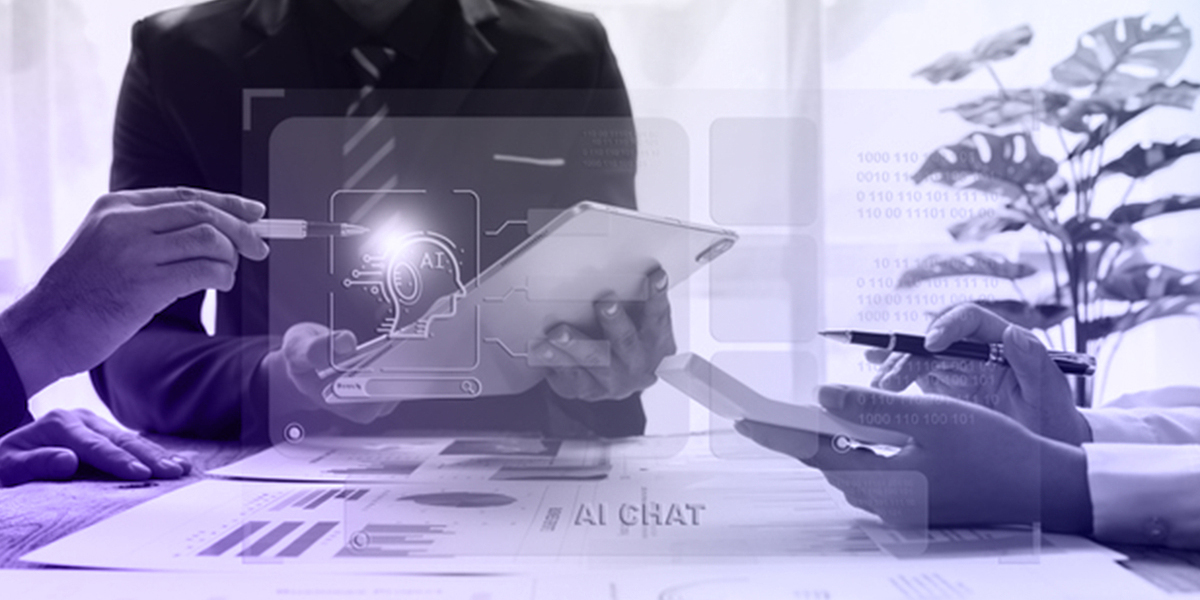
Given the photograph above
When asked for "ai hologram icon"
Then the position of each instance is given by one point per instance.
(415, 271)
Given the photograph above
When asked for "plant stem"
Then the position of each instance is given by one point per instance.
(1128, 190)
(1003, 92)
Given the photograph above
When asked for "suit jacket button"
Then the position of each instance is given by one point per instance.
(1157, 529)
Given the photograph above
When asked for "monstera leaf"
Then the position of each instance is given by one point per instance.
(1181, 95)
(1171, 306)
(1148, 281)
(986, 264)
(1119, 111)
(1140, 161)
(991, 163)
(985, 225)
(1124, 57)
(956, 65)
(1140, 211)
(1020, 106)
(1019, 312)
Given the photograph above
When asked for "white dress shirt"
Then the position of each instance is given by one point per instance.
(1144, 468)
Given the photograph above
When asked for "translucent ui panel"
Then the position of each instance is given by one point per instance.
(766, 289)
(784, 376)
(764, 171)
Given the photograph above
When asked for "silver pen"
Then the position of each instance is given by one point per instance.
(298, 229)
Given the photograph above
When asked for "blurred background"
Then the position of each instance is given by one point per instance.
(845, 65)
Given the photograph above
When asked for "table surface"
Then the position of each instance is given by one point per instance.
(35, 514)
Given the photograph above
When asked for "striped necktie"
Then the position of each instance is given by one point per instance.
(369, 144)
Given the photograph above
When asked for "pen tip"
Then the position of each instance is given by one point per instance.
(835, 334)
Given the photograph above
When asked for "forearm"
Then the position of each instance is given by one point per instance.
(28, 330)
(184, 382)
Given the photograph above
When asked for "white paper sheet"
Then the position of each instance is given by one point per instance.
(410, 459)
(945, 579)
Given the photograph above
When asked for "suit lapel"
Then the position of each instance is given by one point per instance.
(469, 54)
(281, 57)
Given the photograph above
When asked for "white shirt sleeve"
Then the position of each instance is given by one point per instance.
(1145, 494)
(1164, 416)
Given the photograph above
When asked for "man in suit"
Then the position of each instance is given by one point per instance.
(185, 101)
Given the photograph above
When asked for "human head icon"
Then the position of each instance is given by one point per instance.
(422, 282)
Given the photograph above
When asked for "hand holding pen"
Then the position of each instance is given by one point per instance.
(1028, 385)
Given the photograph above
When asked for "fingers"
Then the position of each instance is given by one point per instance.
(964, 322)
(1042, 384)
(792, 442)
(73, 430)
(321, 352)
(17, 467)
(186, 277)
(926, 418)
(242, 208)
(877, 356)
(308, 350)
(577, 383)
(201, 241)
(567, 347)
(814, 450)
(624, 340)
(656, 324)
(298, 343)
(900, 370)
(166, 218)
(163, 464)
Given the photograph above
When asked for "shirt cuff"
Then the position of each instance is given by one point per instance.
(1115, 425)
(1145, 494)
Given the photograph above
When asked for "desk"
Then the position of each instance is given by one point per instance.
(35, 514)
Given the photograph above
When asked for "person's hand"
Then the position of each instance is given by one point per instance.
(134, 254)
(303, 366)
(636, 339)
(54, 446)
(1031, 389)
(979, 467)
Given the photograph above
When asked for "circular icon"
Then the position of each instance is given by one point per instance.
(360, 540)
(842, 444)
(293, 433)
(470, 386)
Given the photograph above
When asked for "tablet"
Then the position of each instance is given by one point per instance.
(725, 395)
(480, 343)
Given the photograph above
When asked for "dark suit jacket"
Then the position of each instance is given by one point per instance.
(180, 121)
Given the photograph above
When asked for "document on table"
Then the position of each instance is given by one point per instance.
(408, 459)
(417, 526)
(947, 579)
(497, 526)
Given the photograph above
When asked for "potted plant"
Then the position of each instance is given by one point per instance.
(1040, 153)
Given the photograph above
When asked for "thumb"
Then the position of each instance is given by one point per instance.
(42, 463)
(344, 342)
(1042, 383)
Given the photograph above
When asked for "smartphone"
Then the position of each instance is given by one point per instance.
(728, 397)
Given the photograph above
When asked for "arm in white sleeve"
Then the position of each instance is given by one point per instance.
(1145, 494)
(1163, 416)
